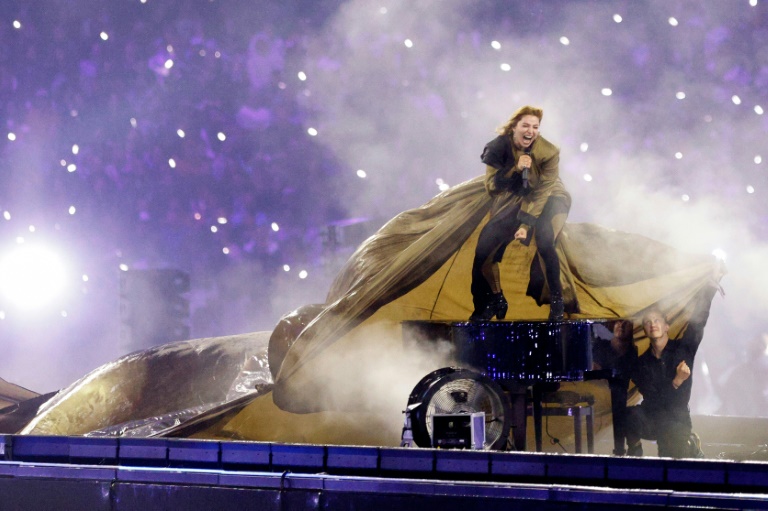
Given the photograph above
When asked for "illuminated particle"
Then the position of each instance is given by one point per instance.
(302, 76)
(750, 189)
(383, 10)
(753, 3)
(758, 159)
(123, 267)
(169, 48)
(281, 85)
(312, 132)
(73, 113)
(11, 136)
(225, 250)
(16, 24)
(444, 186)
(680, 95)
(214, 228)
(673, 21)
(758, 110)
(72, 210)
(286, 267)
(606, 91)
(408, 43)
(496, 45)
(679, 155)
(75, 149)
(565, 41)
(221, 136)
(172, 163)
(217, 54)
(222, 220)
(617, 18)
(198, 216)
(361, 174)
(275, 227)
(168, 64)
(85, 278)
(303, 274)
(685, 197)
(505, 67)
(7, 215)
(736, 99)
(583, 147)
(588, 177)
(104, 36)
(180, 133)
(201, 53)
(71, 167)
(720, 254)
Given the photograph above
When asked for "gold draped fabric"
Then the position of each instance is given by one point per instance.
(345, 378)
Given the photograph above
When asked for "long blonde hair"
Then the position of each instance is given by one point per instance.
(521, 112)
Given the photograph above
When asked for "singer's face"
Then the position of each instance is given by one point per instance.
(525, 132)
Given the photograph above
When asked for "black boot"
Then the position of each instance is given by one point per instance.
(495, 306)
(556, 307)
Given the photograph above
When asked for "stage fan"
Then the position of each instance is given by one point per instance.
(453, 390)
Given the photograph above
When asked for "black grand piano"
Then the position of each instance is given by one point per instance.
(499, 367)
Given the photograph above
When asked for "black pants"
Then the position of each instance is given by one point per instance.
(671, 430)
(500, 231)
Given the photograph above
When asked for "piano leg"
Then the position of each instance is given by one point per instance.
(518, 404)
(536, 401)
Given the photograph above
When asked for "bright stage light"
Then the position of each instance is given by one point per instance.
(32, 276)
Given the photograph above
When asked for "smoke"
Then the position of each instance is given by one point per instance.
(653, 114)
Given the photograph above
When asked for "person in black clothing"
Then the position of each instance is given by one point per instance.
(663, 376)
(616, 357)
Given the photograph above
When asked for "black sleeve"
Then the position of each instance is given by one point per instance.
(694, 332)
(498, 154)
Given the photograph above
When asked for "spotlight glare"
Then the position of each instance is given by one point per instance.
(221, 136)
(303, 274)
(617, 18)
(758, 159)
(583, 147)
(750, 189)
(587, 177)
(104, 36)
(32, 276)
(312, 132)
(758, 110)
(673, 21)
(275, 227)
(606, 91)
(680, 95)
(302, 76)
(736, 99)
(565, 41)
(361, 174)
(408, 43)
(496, 45)
(11, 136)
(685, 197)
(505, 67)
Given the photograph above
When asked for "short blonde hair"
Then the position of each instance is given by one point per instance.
(519, 114)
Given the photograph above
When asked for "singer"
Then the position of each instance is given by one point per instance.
(529, 202)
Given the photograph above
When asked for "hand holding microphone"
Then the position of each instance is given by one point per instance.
(524, 164)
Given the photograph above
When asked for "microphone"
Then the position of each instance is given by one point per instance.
(526, 170)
